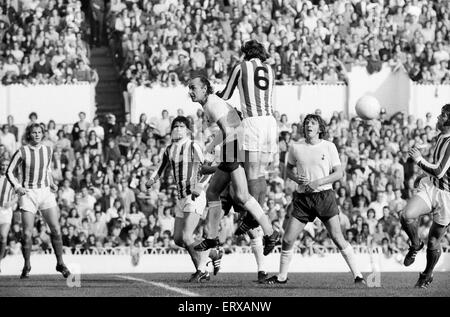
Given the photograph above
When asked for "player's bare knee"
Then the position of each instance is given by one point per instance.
(433, 243)
(241, 197)
(27, 234)
(287, 244)
(178, 239)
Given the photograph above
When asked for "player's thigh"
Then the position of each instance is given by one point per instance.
(191, 220)
(333, 226)
(217, 184)
(252, 165)
(4, 229)
(178, 230)
(27, 221)
(416, 207)
(293, 228)
(51, 217)
(240, 185)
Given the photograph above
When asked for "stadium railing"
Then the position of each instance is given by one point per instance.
(314, 249)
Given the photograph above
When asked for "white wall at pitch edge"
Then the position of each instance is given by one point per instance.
(61, 103)
(237, 262)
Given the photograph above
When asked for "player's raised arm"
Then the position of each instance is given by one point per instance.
(232, 82)
(437, 170)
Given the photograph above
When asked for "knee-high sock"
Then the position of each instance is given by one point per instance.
(411, 230)
(57, 247)
(203, 257)
(258, 250)
(26, 250)
(2, 249)
(349, 257)
(433, 256)
(214, 216)
(193, 254)
(257, 212)
(285, 261)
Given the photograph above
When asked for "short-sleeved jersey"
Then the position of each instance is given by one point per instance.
(184, 158)
(217, 108)
(255, 81)
(439, 169)
(314, 161)
(34, 164)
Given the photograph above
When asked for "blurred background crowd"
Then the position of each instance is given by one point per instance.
(102, 170)
(164, 41)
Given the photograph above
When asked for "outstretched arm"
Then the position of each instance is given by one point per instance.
(437, 170)
(232, 82)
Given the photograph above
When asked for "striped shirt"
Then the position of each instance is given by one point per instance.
(184, 157)
(255, 81)
(34, 164)
(439, 168)
(6, 191)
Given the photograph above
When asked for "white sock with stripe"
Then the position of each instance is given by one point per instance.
(349, 257)
(285, 261)
(258, 249)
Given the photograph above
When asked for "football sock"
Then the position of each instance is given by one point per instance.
(214, 217)
(349, 257)
(433, 256)
(194, 254)
(257, 212)
(2, 249)
(57, 247)
(26, 250)
(258, 249)
(411, 230)
(285, 260)
(203, 260)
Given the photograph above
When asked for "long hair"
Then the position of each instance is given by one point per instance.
(254, 49)
(322, 125)
(446, 110)
(30, 128)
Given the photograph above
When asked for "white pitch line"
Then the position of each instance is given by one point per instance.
(162, 285)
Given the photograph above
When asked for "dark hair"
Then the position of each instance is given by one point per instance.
(180, 119)
(446, 110)
(33, 114)
(254, 49)
(322, 125)
(30, 128)
(205, 82)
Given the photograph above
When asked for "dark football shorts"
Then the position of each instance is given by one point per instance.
(230, 155)
(308, 206)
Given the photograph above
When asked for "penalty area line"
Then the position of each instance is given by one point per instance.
(161, 285)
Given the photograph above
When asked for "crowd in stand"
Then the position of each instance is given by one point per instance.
(102, 170)
(44, 42)
(165, 41)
